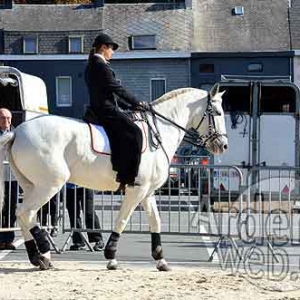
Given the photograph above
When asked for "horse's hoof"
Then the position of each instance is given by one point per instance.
(164, 268)
(162, 265)
(112, 265)
(35, 261)
(45, 263)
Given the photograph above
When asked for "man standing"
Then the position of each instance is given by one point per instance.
(10, 195)
(83, 199)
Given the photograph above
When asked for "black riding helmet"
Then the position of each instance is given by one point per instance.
(104, 39)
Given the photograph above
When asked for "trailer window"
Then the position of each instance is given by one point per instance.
(236, 99)
(10, 97)
(279, 99)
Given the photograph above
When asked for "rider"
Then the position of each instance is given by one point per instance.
(125, 136)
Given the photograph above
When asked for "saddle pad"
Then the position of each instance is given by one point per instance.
(100, 141)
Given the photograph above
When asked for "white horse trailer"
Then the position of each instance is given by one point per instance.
(23, 94)
(262, 121)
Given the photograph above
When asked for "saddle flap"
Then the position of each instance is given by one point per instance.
(100, 142)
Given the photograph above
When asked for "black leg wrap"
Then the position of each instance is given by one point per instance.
(32, 252)
(41, 239)
(111, 246)
(157, 252)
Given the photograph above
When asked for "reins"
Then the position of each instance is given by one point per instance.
(191, 137)
(154, 132)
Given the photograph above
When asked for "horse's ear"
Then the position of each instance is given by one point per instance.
(214, 90)
(217, 102)
(218, 96)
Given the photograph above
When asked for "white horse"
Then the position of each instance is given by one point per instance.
(46, 152)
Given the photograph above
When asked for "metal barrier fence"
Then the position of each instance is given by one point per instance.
(12, 198)
(201, 200)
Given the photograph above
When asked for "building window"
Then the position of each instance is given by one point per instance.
(142, 42)
(255, 67)
(157, 88)
(206, 68)
(75, 44)
(30, 45)
(63, 91)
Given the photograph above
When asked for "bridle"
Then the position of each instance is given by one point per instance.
(192, 136)
(212, 135)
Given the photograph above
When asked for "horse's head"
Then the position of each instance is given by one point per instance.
(211, 125)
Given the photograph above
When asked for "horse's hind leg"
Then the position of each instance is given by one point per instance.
(149, 205)
(30, 245)
(36, 243)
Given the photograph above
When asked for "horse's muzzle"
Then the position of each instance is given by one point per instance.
(218, 145)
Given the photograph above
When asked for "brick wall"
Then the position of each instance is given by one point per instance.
(49, 42)
(295, 24)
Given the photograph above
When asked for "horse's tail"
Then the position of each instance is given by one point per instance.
(5, 141)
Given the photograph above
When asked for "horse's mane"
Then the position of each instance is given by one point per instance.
(172, 94)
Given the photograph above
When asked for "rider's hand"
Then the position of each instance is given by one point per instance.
(144, 105)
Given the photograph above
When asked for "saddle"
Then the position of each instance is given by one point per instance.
(99, 139)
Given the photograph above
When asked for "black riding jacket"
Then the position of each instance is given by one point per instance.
(103, 86)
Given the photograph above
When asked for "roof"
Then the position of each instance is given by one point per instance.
(206, 26)
(171, 23)
(51, 17)
(263, 27)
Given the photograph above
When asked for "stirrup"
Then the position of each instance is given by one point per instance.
(121, 188)
(133, 184)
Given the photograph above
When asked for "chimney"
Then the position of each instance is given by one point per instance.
(98, 3)
(8, 4)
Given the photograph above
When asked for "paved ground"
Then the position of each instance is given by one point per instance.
(132, 247)
(192, 251)
(184, 249)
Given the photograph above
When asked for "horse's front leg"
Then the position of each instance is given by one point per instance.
(128, 206)
(132, 198)
(149, 205)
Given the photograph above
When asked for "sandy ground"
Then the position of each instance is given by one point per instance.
(78, 281)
